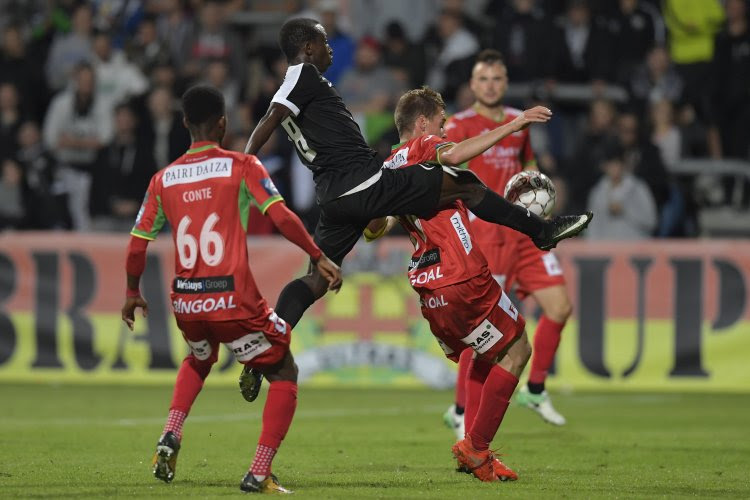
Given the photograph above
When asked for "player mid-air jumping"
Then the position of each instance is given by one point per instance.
(351, 186)
(206, 195)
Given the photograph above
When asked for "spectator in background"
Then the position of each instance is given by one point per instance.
(170, 139)
(582, 170)
(44, 210)
(664, 134)
(20, 68)
(116, 78)
(176, 28)
(656, 79)
(402, 56)
(118, 17)
(523, 40)
(341, 43)
(146, 49)
(369, 87)
(217, 75)
(78, 124)
(583, 48)
(125, 168)
(731, 73)
(70, 49)
(635, 27)
(692, 25)
(457, 48)
(11, 195)
(624, 207)
(10, 119)
(164, 74)
(213, 39)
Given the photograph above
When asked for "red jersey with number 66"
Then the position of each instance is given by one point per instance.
(444, 249)
(205, 195)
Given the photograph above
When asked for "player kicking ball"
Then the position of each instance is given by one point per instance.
(205, 195)
(464, 305)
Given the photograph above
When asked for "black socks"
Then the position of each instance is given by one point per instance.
(495, 208)
(535, 388)
(293, 301)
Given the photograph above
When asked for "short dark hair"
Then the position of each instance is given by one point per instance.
(415, 103)
(295, 33)
(489, 56)
(202, 104)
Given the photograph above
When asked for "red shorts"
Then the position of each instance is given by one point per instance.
(475, 313)
(253, 342)
(513, 257)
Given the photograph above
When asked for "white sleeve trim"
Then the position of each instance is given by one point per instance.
(290, 81)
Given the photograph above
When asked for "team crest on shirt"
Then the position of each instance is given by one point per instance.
(269, 187)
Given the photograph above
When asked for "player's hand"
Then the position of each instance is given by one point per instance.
(537, 114)
(331, 272)
(128, 310)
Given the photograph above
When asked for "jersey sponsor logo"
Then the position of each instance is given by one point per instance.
(427, 259)
(426, 276)
(201, 349)
(551, 264)
(483, 337)
(462, 232)
(433, 302)
(197, 195)
(208, 305)
(269, 187)
(249, 346)
(215, 284)
(196, 172)
(398, 160)
(507, 306)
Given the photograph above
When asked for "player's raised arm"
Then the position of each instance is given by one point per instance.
(272, 119)
(464, 151)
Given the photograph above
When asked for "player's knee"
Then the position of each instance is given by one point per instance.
(525, 351)
(559, 311)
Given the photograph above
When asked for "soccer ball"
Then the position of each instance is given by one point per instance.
(532, 190)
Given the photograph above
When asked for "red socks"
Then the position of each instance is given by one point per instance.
(464, 362)
(186, 388)
(496, 391)
(546, 340)
(277, 417)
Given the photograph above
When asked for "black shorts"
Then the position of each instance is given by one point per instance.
(413, 190)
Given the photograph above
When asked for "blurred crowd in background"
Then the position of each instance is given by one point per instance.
(641, 90)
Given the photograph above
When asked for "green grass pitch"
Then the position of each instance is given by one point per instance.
(97, 441)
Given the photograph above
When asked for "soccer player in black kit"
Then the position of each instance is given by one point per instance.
(351, 186)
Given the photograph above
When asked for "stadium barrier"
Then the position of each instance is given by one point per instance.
(648, 315)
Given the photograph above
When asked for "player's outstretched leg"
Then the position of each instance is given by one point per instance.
(278, 413)
(454, 415)
(190, 378)
(488, 392)
(490, 206)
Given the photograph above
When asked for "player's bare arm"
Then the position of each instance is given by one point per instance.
(379, 227)
(274, 116)
(464, 151)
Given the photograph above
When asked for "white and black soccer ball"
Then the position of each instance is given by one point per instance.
(532, 190)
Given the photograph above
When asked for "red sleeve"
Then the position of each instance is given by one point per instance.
(292, 229)
(430, 145)
(150, 218)
(135, 262)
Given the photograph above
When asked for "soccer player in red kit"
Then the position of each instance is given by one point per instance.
(513, 258)
(465, 306)
(205, 195)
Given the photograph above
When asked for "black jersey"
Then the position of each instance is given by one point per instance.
(327, 138)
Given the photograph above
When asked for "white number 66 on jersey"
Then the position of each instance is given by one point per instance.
(211, 243)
